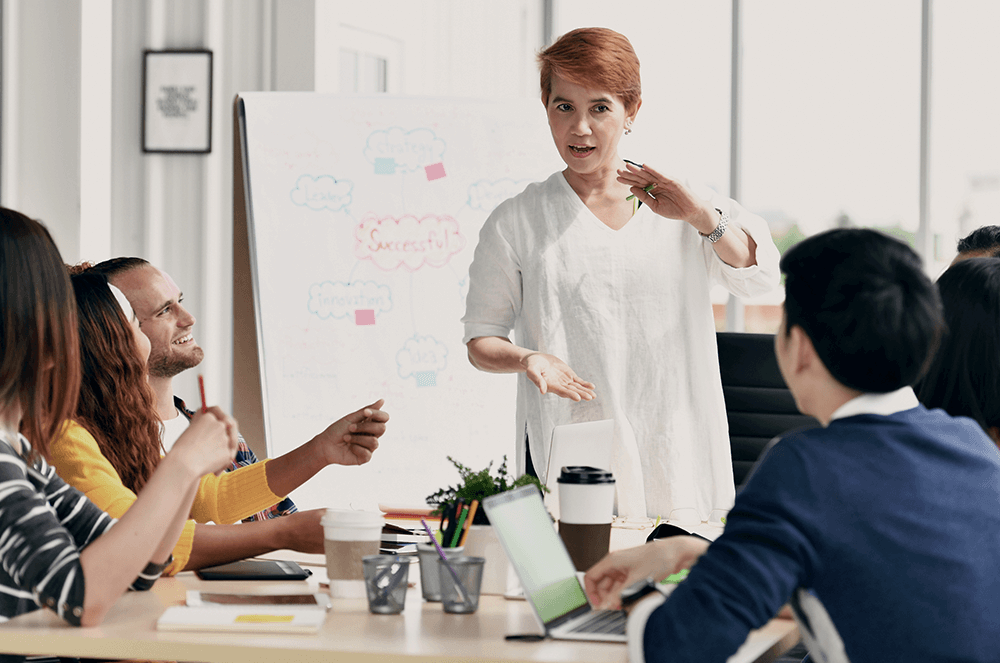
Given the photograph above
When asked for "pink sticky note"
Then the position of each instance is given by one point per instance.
(364, 316)
(435, 171)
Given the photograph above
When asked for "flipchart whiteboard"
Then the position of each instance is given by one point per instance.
(363, 216)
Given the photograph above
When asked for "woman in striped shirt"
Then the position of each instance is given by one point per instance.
(58, 550)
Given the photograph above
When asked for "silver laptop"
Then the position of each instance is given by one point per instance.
(585, 444)
(547, 574)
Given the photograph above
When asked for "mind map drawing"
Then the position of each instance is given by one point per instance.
(393, 243)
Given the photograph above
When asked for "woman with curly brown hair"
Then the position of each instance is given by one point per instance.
(116, 403)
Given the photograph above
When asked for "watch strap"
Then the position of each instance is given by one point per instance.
(720, 229)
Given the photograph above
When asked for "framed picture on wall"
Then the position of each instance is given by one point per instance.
(177, 101)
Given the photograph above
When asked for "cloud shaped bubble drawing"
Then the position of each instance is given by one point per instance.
(411, 150)
(485, 195)
(323, 192)
(421, 354)
(331, 299)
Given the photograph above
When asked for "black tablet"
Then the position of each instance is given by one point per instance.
(255, 569)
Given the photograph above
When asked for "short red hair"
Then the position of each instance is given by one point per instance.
(594, 58)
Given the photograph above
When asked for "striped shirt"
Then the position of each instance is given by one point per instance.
(44, 524)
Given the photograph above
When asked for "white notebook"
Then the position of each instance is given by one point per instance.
(249, 618)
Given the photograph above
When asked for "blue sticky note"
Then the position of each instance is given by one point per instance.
(385, 165)
(426, 378)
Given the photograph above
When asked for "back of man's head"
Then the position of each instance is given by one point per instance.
(982, 242)
(870, 311)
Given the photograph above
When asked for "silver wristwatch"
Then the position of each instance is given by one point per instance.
(716, 234)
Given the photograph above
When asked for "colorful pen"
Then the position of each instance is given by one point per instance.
(460, 528)
(468, 521)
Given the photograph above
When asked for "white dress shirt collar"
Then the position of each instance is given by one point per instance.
(881, 404)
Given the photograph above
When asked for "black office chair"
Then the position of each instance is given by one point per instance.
(759, 405)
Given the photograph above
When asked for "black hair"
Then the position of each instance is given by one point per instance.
(870, 311)
(964, 376)
(985, 239)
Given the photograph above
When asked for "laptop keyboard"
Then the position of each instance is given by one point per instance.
(602, 621)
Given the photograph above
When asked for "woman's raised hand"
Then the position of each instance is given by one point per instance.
(551, 375)
(668, 198)
(210, 442)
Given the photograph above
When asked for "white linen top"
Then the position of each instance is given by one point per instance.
(628, 310)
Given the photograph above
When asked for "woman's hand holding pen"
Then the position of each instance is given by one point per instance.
(351, 440)
(210, 442)
(668, 198)
(551, 375)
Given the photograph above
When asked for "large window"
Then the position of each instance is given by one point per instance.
(965, 124)
(831, 120)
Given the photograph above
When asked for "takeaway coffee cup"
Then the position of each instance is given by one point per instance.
(349, 536)
(586, 507)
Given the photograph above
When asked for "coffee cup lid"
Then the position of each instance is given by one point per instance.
(351, 518)
(584, 474)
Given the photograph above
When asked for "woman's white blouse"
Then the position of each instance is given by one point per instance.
(628, 310)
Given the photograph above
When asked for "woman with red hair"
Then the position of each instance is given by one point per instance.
(603, 271)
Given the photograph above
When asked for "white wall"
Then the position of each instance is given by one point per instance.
(41, 132)
(176, 210)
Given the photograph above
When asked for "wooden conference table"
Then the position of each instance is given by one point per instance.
(423, 632)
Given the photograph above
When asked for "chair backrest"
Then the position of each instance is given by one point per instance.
(759, 405)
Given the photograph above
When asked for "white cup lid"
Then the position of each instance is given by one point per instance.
(351, 518)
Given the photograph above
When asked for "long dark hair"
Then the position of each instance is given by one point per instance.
(117, 406)
(964, 376)
(40, 364)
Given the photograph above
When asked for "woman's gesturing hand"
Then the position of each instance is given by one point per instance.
(551, 375)
(668, 198)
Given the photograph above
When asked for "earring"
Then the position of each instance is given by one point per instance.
(628, 127)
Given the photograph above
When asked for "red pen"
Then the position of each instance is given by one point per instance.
(201, 388)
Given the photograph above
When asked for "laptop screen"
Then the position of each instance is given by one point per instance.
(538, 554)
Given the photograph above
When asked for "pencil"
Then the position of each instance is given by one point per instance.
(468, 522)
(201, 388)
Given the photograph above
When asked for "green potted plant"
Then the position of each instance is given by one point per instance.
(478, 485)
(482, 541)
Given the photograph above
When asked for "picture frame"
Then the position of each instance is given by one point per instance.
(177, 101)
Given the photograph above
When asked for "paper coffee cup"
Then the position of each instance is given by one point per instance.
(586, 509)
(349, 536)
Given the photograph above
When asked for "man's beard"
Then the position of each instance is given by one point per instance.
(168, 365)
